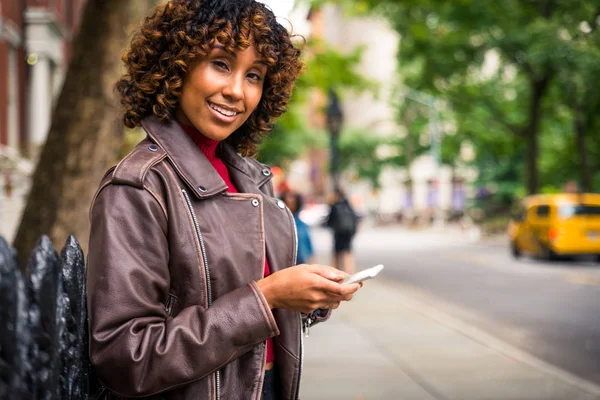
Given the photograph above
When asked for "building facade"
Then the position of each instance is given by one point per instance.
(35, 47)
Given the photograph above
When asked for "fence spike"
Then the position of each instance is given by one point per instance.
(43, 324)
(14, 338)
(75, 344)
(44, 289)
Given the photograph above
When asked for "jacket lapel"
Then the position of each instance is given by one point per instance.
(250, 177)
(190, 163)
(204, 181)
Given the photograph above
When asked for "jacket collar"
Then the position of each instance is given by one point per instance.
(192, 165)
(257, 172)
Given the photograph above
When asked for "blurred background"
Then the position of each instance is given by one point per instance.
(466, 135)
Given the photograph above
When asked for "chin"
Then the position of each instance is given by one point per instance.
(218, 136)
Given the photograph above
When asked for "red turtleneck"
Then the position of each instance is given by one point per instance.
(209, 148)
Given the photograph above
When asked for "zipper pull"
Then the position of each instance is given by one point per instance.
(307, 325)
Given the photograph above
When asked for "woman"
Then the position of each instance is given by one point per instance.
(192, 288)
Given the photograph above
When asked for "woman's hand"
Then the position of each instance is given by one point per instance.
(305, 288)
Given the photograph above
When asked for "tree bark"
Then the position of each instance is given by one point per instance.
(538, 90)
(85, 133)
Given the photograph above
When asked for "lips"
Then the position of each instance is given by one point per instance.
(224, 110)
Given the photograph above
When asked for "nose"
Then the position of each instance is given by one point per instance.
(234, 89)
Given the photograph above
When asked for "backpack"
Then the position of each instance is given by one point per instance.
(343, 219)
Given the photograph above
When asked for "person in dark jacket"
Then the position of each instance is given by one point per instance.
(343, 221)
(193, 288)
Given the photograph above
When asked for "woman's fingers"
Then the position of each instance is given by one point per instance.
(329, 297)
(305, 287)
(338, 289)
(327, 272)
(346, 297)
(334, 287)
(331, 306)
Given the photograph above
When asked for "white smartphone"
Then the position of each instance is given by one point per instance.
(364, 275)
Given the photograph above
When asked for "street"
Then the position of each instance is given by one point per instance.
(547, 309)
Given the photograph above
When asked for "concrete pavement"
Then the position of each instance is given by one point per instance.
(385, 345)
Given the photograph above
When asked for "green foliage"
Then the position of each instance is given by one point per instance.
(326, 68)
(581, 98)
(350, 7)
(414, 117)
(359, 152)
(508, 70)
(286, 144)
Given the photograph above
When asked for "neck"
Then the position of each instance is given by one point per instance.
(206, 145)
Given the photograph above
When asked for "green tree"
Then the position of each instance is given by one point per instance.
(359, 153)
(582, 67)
(325, 68)
(496, 63)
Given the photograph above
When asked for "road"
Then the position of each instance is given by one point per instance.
(550, 310)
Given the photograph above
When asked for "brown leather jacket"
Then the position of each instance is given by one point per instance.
(174, 308)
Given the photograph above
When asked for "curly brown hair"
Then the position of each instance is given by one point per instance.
(178, 32)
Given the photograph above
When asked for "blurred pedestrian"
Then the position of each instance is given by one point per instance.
(343, 221)
(191, 292)
(305, 252)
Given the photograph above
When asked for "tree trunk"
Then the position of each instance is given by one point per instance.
(586, 173)
(538, 90)
(85, 133)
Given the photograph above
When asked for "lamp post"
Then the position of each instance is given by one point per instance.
(335, 120)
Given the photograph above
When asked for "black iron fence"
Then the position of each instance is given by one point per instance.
(43, 324)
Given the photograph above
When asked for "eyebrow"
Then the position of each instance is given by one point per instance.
(234, 54)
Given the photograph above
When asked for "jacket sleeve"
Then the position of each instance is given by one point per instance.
(136, 347)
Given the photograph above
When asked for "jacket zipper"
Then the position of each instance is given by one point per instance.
(207, 272)
(168, 305)
(294, 257)
(263, 370)
(301, 358)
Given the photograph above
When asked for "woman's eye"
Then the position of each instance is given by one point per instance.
(255, 77)
(220, 65)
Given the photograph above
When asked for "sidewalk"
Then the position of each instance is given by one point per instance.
(387, 346)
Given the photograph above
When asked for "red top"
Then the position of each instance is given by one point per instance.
(209, 148)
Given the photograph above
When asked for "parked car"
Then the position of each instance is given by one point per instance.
(555, 225)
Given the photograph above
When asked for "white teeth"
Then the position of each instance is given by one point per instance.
(222, 110)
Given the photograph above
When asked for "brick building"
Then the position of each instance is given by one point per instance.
(35, 45)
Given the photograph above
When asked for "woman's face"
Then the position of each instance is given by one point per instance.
(221, 90)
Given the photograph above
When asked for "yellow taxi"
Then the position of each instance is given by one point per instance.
(556, 225)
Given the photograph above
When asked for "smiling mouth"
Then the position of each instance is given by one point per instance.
(223, 111)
